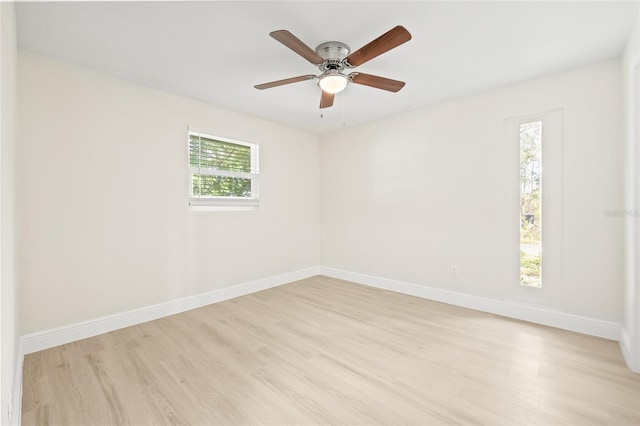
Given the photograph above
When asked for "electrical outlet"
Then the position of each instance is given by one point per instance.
(454, 271)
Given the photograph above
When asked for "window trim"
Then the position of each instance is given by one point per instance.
(254, 175)
(550, 294)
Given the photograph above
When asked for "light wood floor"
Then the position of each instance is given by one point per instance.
(325, 351)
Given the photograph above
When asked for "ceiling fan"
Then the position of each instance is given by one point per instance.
(334, 57)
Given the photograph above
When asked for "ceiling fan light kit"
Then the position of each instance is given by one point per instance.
(333, 81)
(333, 57)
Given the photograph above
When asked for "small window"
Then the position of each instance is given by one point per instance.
(531, 204)
(222, 172)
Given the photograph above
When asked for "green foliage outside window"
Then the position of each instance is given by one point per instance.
(530, 204)
(212, 155)
(221, 186)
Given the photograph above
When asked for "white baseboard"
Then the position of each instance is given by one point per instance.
(627, 351)
(585, 325)
(41, 340)
(58, 336)
(38, 341)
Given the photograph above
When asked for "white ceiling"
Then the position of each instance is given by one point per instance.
(217, 51)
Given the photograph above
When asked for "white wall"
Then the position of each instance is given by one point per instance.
(409, 196)
(9, 293)
(630, 339)
(103, 194)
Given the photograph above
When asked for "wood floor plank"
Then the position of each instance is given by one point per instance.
(326, 351)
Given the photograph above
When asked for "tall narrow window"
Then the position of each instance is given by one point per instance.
(222, 172)
(531, 204)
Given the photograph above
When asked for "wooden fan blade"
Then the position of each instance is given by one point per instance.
(375, 81)
(285, 81)
(387, 41)
(326, 100)
(297, 45)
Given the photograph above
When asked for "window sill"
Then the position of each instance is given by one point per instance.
(222, 208)
(223, 204)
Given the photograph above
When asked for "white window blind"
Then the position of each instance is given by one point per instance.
(222, 172)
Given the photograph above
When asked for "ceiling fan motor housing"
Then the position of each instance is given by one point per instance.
(333, 53)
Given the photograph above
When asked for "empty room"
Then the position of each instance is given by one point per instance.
(320, 212)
